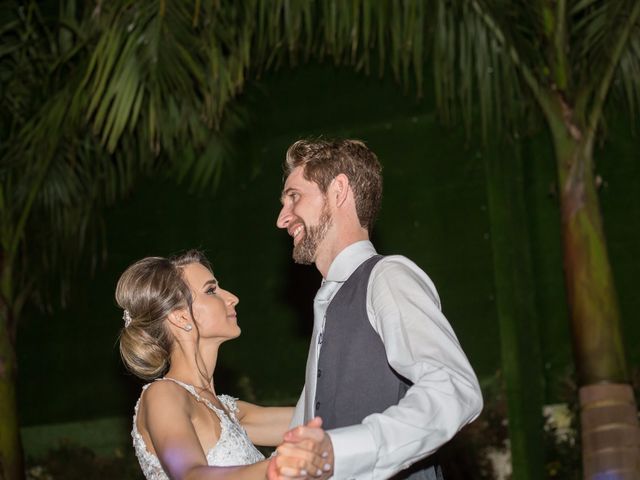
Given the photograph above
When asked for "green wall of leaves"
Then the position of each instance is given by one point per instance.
(434, 211)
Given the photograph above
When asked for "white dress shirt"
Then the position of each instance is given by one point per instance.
(404, 309)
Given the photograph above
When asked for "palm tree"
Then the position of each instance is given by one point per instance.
(58, 173)
(101, 92)
(561, 60)
(55, 177)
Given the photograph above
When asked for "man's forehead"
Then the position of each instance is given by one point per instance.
(295, 179)
(296, 173)
(296, 182)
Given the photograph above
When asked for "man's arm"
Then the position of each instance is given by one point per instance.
(298, 412)
(403, 308)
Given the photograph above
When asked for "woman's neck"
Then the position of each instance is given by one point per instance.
(194, 366)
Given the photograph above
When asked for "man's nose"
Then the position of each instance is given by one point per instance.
(284, 217)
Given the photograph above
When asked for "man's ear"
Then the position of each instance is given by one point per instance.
(340, 188)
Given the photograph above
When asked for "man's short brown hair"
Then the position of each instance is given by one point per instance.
(324, 160)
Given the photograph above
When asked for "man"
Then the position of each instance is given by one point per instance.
(385, 370)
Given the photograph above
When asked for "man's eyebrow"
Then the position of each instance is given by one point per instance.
(286, 192)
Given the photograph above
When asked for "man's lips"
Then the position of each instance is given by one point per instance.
(296, 230)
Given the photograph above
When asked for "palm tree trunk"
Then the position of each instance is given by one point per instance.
(11, 459)
(608, 412)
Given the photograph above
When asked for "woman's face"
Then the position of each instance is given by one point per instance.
(213, 307)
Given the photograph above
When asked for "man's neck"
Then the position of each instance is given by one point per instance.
(327, 255)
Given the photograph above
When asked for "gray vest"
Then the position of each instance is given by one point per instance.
(354, 377)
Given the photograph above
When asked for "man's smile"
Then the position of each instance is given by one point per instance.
(295, 231)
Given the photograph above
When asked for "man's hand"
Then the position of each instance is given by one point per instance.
(306, 452)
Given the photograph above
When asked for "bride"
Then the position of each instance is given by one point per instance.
(176, 316)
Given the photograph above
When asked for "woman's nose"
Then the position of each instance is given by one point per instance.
(232, 299)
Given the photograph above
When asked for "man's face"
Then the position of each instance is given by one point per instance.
(306, 216)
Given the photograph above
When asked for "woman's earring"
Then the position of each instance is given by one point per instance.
(188, 327)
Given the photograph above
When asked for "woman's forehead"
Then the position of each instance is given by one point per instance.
(197, 274)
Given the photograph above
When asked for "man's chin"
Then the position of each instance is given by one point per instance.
(302, 257)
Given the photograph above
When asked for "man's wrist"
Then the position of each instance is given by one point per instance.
(354, 451)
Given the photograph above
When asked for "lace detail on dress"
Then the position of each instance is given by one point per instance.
(233, 447)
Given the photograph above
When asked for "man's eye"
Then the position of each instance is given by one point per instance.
(211, 291)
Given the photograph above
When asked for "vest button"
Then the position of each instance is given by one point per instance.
(317, 405)
(319, 373)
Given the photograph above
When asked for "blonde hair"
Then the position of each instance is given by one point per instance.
(149, 290)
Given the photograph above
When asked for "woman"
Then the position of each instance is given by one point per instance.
(176, 316)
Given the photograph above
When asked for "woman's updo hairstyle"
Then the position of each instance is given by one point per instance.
(148, 291)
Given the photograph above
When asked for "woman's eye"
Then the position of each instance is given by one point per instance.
(211, 291)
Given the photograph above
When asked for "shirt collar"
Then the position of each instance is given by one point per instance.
(349, 259)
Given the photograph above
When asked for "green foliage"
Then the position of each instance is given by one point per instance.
(563, 443)
(520, 340)
(467, 455)
(53, 175)
(73, 462)
(507, 58)
(97, 95)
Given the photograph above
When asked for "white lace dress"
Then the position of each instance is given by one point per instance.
(233, 447)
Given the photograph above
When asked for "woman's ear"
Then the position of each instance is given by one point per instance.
(181, 319)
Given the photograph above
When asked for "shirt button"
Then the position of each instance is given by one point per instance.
(317, 405)
(319, 373)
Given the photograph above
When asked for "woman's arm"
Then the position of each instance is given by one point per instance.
(264, 425)
(167, 417)
(176, 444)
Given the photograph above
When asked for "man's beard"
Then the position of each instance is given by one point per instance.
(305, 251)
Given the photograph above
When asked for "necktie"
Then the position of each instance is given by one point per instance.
(320, 304)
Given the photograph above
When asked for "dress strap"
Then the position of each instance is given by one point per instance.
(189, 388)
(192, 390)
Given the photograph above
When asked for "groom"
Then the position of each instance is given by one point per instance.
(385, 370)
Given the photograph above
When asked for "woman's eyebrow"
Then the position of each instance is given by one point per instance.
(210, 282)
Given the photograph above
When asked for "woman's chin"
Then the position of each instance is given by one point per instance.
(235, 333)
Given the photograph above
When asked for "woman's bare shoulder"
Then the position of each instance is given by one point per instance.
(165, 396)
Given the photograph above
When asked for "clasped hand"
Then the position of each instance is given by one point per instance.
(306, 453)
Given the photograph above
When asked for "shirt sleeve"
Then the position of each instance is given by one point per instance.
(404, 309)
(298, 412)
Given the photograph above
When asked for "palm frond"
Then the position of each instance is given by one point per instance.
(626, 78)
(477, 62)
(148, 60)
(55, 175)
(137, 85)
(592, 22)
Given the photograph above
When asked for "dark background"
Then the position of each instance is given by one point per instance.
(434, 211)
